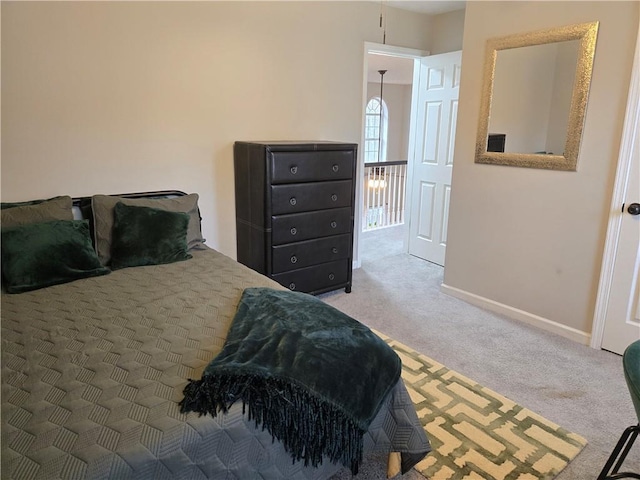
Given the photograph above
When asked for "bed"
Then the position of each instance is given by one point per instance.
(94, 364)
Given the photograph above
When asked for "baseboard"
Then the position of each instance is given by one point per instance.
(520, 315)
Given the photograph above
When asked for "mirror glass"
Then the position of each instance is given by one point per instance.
(534, 97)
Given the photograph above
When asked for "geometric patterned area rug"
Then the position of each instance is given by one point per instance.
(476, 433)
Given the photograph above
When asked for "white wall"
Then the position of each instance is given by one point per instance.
(565, 71)
(527, 239)
(113, 97)
(446, 32)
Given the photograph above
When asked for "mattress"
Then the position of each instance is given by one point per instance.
(93, 370)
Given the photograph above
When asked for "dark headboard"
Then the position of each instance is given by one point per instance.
(82, 205)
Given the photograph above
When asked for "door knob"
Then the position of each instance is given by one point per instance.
(634, 209)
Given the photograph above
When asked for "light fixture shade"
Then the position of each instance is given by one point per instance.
(377, 183)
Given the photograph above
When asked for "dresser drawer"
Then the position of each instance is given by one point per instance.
(316, 278)
(310, 166)
(310, 252)
(305, 197)
(296, 227)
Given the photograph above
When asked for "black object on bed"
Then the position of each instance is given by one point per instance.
(311, 375)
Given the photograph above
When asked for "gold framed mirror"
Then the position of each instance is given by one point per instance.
(534, 97)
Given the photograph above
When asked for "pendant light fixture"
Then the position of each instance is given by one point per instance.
(381, 72)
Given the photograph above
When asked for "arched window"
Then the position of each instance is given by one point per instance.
(375, 131)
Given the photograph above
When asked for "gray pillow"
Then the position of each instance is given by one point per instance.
(103, 218)
(57, 208)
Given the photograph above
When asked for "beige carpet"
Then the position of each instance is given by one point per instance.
(476, 433)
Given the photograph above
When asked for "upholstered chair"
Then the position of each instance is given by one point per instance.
(631, 366)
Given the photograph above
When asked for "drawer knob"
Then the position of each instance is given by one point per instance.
(335, 168)
(334, 197)
(294, 259)
(334, 250)
(334, 224)
(293, 200)
(294, 170)
(332, 276)
(294, 231)
(292, 286)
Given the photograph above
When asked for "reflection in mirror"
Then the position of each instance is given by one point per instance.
(534, 84)
(534, 97)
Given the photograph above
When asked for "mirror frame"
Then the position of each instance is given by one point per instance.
(586, 33)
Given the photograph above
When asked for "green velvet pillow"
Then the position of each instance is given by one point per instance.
(148, 236)
(103, 206)
(39, 255)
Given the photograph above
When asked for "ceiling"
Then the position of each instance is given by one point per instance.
(429, 7)
(399, 70)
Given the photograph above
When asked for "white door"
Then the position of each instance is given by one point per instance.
(622, 318)
(617, 316)
(433, 155)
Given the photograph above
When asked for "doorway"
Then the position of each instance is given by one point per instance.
(405, 186)
(616, 321)
(382, 204)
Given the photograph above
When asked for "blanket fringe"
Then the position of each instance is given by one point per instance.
(308, 427)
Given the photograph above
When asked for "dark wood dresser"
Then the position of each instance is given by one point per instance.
(294, 212)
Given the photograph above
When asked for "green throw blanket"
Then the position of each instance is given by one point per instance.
(314, 377)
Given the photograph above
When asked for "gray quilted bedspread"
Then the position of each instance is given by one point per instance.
(92, 373)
